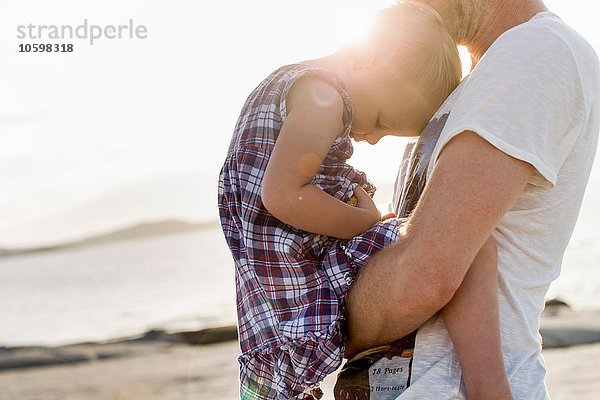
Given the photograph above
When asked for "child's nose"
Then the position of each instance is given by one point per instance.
(358, 137)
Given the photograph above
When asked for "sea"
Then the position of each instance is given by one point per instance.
(120, 289)
(175, 282)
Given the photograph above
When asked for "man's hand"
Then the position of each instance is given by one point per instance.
(472, 186)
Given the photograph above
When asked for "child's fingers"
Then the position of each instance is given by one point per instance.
(361, 194)
(366, 203)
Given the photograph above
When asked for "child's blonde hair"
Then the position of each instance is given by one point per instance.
(418, 32)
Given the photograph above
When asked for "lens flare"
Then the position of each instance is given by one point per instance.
(353, 23)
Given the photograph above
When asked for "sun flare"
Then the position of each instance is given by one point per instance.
(353, 23)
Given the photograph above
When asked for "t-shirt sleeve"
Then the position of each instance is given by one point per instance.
(524, 98)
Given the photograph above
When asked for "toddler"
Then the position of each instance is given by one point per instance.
(300, 221)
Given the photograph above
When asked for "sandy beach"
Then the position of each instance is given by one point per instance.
(166, 369)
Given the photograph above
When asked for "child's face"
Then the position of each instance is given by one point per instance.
(383, 105)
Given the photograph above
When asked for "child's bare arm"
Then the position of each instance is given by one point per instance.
(473, 322)
(314, 119)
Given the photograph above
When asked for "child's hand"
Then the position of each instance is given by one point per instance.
(366, 203)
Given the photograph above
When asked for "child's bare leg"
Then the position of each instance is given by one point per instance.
(472, 319)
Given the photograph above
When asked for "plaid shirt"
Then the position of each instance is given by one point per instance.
(291, 284)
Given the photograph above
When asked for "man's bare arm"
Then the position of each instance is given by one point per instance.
(472, 186)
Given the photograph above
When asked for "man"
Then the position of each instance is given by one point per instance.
(509, 154)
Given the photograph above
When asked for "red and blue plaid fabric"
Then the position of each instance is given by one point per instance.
(291, 284)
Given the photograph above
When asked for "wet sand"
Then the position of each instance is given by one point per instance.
(181, 372)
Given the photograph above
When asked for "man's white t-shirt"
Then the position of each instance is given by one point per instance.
(534, 96)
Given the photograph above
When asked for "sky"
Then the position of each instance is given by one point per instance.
(131, 130)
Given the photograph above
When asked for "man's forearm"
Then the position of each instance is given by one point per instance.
(408, 293)
(472, 186)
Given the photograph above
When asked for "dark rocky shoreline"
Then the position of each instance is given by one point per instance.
(42, 356)
(161, 365)
(561, 327)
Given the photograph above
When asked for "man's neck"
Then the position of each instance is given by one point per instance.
(499, 18)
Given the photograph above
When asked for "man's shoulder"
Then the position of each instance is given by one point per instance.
(546, 31)
(543, 52)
